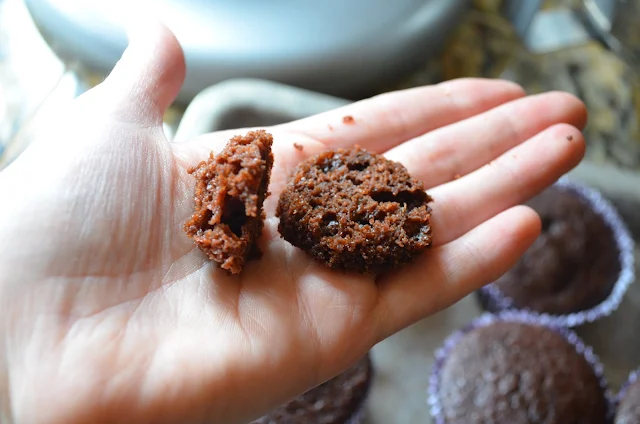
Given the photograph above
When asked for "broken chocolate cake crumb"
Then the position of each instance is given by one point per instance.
(229, 195)
(355, 210)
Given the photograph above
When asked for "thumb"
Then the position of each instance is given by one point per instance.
(149, 75)
(140, 88)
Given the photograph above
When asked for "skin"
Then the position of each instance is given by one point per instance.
(110, 313)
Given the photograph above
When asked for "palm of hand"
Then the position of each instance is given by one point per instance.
(144, 328)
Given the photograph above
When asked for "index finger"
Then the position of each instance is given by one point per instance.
(384, 121)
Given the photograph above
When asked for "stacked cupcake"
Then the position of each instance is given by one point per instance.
(520, 362)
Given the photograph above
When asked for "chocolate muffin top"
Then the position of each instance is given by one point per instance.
(355, 210)
(229, 195)
(333, 402)
(574, 263)
(629, 406)
(518, 373)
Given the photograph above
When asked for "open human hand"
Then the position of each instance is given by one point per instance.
(110, 314)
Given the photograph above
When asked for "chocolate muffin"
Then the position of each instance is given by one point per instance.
(629, 402)
(229, 195)
(583, 252)
(355, 210)
(514, 371)
(337, 401)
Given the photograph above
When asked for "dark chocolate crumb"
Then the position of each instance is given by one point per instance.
(298, 147)
(348, 120)
(569, 137)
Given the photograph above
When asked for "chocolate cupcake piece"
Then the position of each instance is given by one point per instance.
(355, 210)
(337, 401)
(229, 195)
(580, 265)
(517, 371)
(629, 401)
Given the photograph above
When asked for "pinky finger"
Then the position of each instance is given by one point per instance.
(448, 273)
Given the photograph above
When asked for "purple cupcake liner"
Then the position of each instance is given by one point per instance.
(493, 300)
(486, 319)
(634, 376)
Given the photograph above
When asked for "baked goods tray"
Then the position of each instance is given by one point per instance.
(403, 361)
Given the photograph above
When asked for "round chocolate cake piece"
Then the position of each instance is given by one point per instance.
(574, 263)
(337, 401)
(229, 196)
(519, 373)
(629, 404)
(355, 210)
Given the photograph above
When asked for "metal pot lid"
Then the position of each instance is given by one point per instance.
(333, 46)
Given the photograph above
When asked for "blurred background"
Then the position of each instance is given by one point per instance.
(53, 50)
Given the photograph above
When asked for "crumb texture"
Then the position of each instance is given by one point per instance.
(572, 265)
(332, 402)
(354, 210)
(229, 195)
(519, 373)
(629, 407)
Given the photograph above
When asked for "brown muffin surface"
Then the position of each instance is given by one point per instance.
(519, 373)
(573, 264)
(629, 406)
(355, 210)
(333, 402)
(229, 196)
